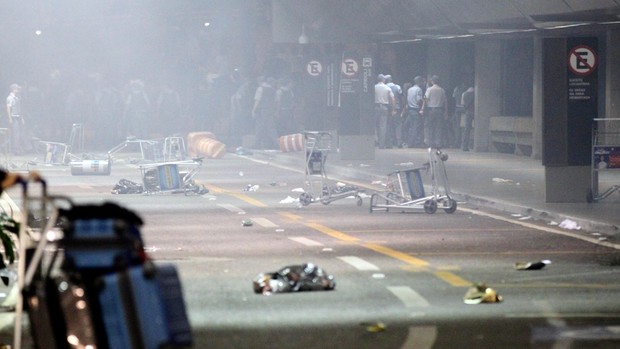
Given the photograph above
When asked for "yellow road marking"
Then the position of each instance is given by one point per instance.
(331, 232)
(290, 216)
(250, 200)
(452, 278)
(397, 255)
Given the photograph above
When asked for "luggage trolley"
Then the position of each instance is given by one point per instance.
(605, 155)
(317, 145)
(172, 177)
(406, 188)
(85, 280)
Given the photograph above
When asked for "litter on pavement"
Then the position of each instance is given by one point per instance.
(532, 265)
(294, 278)
(480, 293)
(570, 225)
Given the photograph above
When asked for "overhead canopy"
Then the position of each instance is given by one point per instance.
(396, 20)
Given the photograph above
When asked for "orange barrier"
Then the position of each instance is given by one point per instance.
(291, 143)
(205, 144)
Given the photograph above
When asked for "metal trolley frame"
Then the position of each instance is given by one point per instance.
(605, 155)
(406, 189)
(317, 145)
(171, 177)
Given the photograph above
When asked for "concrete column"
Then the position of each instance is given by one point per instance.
(537, 100)
(487, 85)
(612, 78)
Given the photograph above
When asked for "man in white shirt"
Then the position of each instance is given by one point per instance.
(435, 113)
(384, 102)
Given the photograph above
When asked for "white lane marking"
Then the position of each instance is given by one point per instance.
(305, 241)
(358, 263)
(264, 222)
(231, 208)
(420, 337)
(408, 296)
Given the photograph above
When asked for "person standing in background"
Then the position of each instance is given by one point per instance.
(415, 120)
(435, 113)
(285, 101)
(264, 113)
(16, 120)
(137, 107)
(394, 122)
(468, 107)
(384, 102)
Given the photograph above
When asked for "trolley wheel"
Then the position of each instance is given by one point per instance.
(305, 199)
(590, 196)
(430, 206)
(449, 205)
(358, 200)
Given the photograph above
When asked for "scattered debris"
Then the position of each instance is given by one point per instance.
(251, 187)
(247, 223)
(242, 151)
(240, 173)
(570, 225)
(405, 164)
(374, 327)
(480, 293)
(125, 186)
(294, 278)
(525, 218)
(289, 200)
(532, 265)
(378, 276)
(501, 180)
(298, 190)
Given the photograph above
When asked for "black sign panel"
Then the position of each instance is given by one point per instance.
(313, 92)
(356, 94)
(582, 104)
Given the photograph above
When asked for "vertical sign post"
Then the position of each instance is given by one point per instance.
(356, 121)
(582, 105)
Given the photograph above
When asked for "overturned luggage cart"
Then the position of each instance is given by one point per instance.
(317, 145)
(172, 177)
(406, 188)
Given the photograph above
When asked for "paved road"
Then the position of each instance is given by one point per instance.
(401, 277)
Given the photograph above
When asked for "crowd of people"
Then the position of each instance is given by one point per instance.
(415, 115)
(230, 105)
(420, 114)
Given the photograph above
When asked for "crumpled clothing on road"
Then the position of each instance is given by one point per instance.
(294, 278)
(125, 186)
